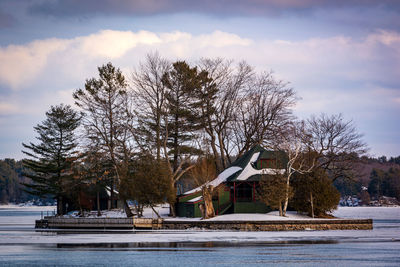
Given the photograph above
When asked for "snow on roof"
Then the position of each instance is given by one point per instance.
(217, 181)
(196, 199)
(249, 170)
(108, 191)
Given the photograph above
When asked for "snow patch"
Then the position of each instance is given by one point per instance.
(217, 181)
(195, 199)
(250, 171)
(271, 216)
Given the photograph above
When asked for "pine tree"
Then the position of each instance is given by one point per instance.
(182, 82)
(108, 121)
(314, 193)
(180, 120)
(53, 157)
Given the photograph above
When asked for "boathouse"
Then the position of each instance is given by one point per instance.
(236, 188)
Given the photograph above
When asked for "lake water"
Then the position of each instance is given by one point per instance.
(21, 245)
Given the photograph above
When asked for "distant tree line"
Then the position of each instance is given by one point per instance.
(11, 180)
(140, 135)
(385, 183)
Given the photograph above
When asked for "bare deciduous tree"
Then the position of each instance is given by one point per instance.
(203, 172)
(337, 144)
(149, 93)
(294, 141)
(262, 112)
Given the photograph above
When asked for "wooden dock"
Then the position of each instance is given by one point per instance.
(98, 223)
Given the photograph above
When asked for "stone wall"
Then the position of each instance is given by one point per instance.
(289, 225)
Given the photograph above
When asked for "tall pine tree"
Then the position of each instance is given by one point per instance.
(52, 158)
(108, 122)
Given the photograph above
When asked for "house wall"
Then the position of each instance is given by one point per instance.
(250, 207)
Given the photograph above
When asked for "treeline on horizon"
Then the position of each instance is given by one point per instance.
(169, 122)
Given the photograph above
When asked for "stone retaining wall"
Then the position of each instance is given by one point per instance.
(144, 223)
(289, 225)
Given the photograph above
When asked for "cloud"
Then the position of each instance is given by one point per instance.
(113, 44)
(23, 64)
(217, 7)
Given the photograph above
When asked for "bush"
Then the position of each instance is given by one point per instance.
(314, 193)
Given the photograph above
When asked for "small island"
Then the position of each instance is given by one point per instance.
(212, 140)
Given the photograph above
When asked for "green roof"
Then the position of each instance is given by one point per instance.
(244, 161)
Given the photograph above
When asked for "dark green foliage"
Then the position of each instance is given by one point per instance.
(183, 85)
(315, 190)
(149, 182)
(395, 160)
(347, 187)
(10, 178)
(50, 166)
(272, 191)
(385, 183)
(376, 183)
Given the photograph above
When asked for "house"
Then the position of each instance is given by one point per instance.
(236, 188)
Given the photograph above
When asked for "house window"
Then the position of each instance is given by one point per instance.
(244, 192)
(268, 163)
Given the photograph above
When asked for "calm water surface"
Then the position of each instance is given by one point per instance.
(20, 245)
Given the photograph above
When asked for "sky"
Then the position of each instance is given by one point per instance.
(340, 56)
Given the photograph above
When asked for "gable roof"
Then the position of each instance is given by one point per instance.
(245, 168)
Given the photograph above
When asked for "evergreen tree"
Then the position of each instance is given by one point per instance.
(181, 82)
(273, 190)
(148, 183)
(180, 120)
(375, 187)
(314, 193)
(52, 158)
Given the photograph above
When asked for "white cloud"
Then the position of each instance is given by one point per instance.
(110, 44)
(23, 64)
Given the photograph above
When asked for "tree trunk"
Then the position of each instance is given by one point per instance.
(172, 211)
(98, 202)
(312, 204)
(222, 152)
(158, 215)
(208, 205)
(286, 196)
(111, 195)
(60, 206)
(172, 201)
(128, 211)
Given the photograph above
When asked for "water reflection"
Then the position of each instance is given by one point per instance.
(210, 244)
